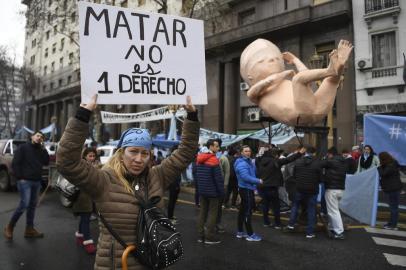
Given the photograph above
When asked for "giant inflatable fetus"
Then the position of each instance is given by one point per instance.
(284, 94)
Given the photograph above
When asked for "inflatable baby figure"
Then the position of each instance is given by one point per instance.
(285, 95)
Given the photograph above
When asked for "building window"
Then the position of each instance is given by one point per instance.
(65, 4)
(44, 88)
(45, 70)
(33, 43)
(246, 17)
(46, 52)
(52, 67)
(61, 62)
(49, 3)
(32, 60)
(60, 81)
(384, 50)
(286, 4)
(375, 5)
(53, 48)
(49, 18)
(70, 58)
(55, 29)
(69, 79)
(51, 85)
(62, 44)
(73, 17)
(47, 34)
(63, 25)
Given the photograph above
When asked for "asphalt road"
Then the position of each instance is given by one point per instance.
(278, 250)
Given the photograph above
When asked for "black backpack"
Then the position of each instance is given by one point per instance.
(158, 245)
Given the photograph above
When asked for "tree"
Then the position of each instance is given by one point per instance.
(10, 90)
(211, 11)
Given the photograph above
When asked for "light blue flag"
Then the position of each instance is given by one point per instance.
(360, 199)
(386, 133)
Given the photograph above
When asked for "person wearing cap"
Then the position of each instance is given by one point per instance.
(27, 166)
(112, 187)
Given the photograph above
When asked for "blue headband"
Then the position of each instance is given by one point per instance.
(135, 137)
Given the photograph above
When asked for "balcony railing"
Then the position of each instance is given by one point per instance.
(386, 72)
(376, 5)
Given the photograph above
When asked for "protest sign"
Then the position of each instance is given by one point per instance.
(133, 57)
(386, 133)
(151, 115)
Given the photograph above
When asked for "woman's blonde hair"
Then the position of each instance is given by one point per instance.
(116, 164)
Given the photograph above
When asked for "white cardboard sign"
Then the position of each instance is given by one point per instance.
(133, 57)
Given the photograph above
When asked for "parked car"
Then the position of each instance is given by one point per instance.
(105, 152)
(7, 150)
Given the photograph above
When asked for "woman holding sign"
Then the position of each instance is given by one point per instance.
(115, 187)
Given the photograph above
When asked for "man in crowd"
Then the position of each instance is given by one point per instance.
(27, 167)
(336, 170)
(211, 188)
(269, 170)
(225, 172)
(307, 177)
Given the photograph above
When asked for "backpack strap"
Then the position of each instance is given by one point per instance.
(111, 231)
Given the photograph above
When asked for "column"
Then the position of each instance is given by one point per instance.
(230, 98)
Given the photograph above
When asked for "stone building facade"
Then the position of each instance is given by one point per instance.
(380, 42)
(299, 26)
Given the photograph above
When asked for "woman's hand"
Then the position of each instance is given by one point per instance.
(91, 105)
(189, 107)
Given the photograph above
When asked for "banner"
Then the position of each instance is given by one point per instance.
(281, 134)
(360, 198)
(133, 57)
(151, 115)
(386, 133)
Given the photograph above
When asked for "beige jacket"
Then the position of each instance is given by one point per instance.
(119, 207)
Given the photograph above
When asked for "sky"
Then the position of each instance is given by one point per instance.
(12, 31)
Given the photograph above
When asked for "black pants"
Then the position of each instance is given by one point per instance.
(232, 189)
(174, 189)
(270, 195)
(245, 212)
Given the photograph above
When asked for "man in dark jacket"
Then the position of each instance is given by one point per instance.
(269, 170)
(336, 169)
(27, 167)
(307, 177)
(211, 188)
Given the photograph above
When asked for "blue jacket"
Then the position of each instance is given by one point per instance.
(208, 175)
(245, 171)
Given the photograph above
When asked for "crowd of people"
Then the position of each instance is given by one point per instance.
(233, 178)
(276, 177)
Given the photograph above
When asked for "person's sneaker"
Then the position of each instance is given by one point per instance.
(290, 228)
(30, 232)
(339, 236)
(253, 238)
(389, 227)
(89, 246)
(212, 241)
(241, 235)
(200, 239)
(8, 232)
(79, 238)
(277, 227)
(267, 225)
(220, 228)
(309, 236)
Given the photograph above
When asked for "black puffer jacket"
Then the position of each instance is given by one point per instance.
(336, 169)
(28, 161)
(307, 175)
(269, 169)
(390, 177)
